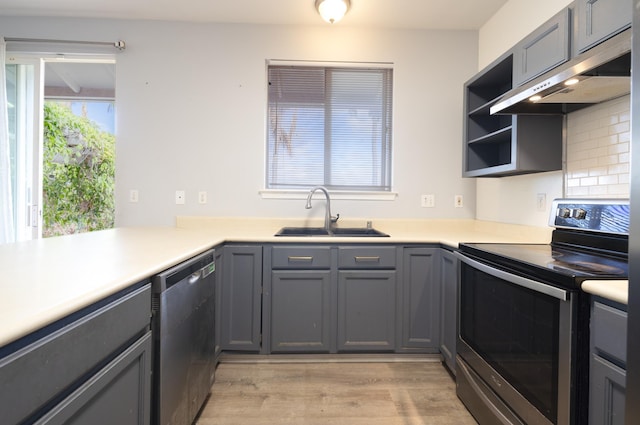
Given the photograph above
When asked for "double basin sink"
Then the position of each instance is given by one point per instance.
(337, 232)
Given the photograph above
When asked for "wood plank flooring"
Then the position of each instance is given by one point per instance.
(396, 393)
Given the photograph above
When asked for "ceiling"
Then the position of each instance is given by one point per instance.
(67, 80)
(405, 14)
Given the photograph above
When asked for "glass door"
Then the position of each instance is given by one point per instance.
(24, 101)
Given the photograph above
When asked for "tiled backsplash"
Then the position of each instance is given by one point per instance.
(597, 154)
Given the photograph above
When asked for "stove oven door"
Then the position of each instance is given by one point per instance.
(515, 347)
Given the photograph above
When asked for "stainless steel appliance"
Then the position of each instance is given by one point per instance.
(523, 348)
(603, 72)
(184, 342)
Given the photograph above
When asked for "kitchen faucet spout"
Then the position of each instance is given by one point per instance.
(328, 218)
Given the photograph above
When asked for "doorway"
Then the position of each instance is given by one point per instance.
(62, 143)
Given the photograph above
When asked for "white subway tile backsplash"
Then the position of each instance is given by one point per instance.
(597, 151)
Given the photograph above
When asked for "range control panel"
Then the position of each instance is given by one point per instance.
(596, 215)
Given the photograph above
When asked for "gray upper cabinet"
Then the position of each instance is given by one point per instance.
(241, 298)
(545, 48)
(504, 145)
(597, 20)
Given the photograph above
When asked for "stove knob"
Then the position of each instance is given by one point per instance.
(564, 212)
(579, 213)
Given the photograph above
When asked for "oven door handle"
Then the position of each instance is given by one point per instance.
(543, 288)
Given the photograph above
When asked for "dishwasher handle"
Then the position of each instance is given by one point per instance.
(189, 272)
(202, 273)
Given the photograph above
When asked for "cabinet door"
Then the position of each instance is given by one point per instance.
(366, 310)
(420, 299)
(545, 48)
(449, 305)
(118, 394)
(241, 298)
(54, 365)
(597, 20)
(300, 311)
(607, 384)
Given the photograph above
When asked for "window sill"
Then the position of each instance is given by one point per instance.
(338, 194)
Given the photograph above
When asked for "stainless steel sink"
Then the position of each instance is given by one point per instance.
(337, 232)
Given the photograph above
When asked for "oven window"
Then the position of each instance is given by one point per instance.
(515, 330)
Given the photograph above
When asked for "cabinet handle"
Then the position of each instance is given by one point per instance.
(367, 259)
(293, 259)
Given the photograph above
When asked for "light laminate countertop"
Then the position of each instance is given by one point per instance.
(44, 280)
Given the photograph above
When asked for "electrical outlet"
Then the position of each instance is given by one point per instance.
(180, 197)
(541, 202)
(202, 197)
(133, 195)
(428, 201)
(458, 202)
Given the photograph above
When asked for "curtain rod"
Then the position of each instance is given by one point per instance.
(120, 44)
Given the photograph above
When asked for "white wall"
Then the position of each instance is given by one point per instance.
(496, 198)
(191, 106)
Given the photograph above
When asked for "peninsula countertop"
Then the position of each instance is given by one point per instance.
(46, 279)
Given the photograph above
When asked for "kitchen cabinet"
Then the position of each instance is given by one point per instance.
(219, 279)
(449, 306)
(607, 375)
(420, 300)
(330, 298)
(92, 367)
(241, 298)
(300, 294)
(367, 298)
(543, 49)
(502, 145)
(597, 20)
(367, 310)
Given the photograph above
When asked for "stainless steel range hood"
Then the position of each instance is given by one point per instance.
(599, 74)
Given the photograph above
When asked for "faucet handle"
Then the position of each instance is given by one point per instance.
(335, 219)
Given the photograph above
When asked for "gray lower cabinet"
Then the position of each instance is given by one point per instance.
(324, 298)
(93, 367)
(367, 298)
(117, 394)
(219, 279)
(301, 311)
(367, 310)
(607, 375)
(241, 298)
(449, 308)
(597, 20)
(420, 300)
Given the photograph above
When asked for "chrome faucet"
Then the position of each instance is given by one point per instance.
(328, 218)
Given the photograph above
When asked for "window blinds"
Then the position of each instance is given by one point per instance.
(329, 126)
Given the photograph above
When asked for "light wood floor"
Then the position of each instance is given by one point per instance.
(334, 394)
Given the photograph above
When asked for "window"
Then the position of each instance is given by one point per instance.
(329, 126)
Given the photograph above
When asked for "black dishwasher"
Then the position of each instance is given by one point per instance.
(184, 341)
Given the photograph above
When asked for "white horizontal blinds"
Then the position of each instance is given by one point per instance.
(329, 126)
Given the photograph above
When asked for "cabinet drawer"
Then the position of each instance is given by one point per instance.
(301, 257)
(56, 363)
(383, 257)
(609, 331)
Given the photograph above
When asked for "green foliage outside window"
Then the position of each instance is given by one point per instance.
(78, 173)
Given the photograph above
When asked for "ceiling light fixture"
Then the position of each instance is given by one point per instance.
(332, 10)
